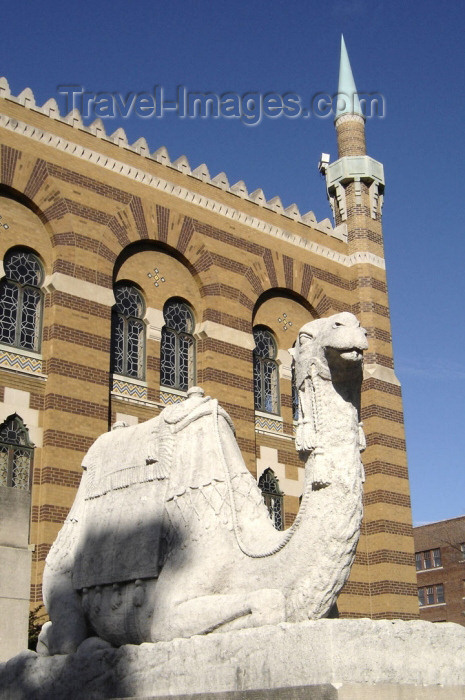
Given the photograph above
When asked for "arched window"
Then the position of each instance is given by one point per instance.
(21, 300)
(177, 346)
(273, 496)
(128, 332)
(265, 371)
(16, 452)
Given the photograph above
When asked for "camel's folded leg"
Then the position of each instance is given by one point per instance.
(220, 613)
(64, 606)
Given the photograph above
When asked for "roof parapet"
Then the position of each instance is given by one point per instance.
(141, 146)
(97, 128)
(201, 172)
(4, 88)
(119, 137)
(50, 108)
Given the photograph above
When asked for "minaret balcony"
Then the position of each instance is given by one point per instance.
(355, 169)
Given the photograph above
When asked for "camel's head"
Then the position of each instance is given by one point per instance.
(337, 342)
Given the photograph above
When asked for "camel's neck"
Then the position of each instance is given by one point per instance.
(328, 420)
(327, 526)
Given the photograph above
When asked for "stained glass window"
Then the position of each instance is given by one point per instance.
(177, 346)
(21, 300)
(128, 332)
(16, 452)
(273, 497)
(295, 395)
(265, 372)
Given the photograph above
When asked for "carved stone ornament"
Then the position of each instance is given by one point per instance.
(169, 536)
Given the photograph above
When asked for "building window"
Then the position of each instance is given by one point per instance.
(265, 371)
(295, 396)
(16, 452)
(128, 332)
(21, 300)
(431, 595)
(273, 497)
(177, 365)
(429, 559)
(462, 551)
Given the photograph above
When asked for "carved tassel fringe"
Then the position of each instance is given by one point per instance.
(320, 470)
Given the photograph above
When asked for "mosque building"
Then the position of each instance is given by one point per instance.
(126, 278)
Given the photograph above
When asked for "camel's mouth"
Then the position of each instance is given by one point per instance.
(352, 354)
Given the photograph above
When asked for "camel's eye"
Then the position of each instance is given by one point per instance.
(337, 324)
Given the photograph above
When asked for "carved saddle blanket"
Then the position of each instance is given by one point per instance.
(130, 473)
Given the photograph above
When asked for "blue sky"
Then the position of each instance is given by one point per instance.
(410, 52)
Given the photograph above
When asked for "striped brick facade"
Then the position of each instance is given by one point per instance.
(96, 213)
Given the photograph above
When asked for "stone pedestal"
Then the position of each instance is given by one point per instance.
(330, 692)
(314, 660)
(15, 570)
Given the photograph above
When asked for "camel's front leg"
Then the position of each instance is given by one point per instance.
(64, 607)
(220, 613)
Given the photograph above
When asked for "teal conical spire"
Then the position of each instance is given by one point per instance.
(347, 97)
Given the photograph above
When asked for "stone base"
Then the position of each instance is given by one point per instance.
(313, 692)
(345, 659)
(329, 692)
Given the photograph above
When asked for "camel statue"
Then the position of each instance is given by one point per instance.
(169, 536)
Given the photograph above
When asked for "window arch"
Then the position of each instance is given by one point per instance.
(273, 497)
(177, 366)
(16, 453)
(265, 371)
(21, 300)
(128, 332)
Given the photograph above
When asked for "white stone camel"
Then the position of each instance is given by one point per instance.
(169, 536)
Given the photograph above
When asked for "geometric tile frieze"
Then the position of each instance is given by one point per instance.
(167, 398)
(271, 425)
(23, 363)
(127, 388)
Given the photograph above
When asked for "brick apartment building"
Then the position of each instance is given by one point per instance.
(127, 277)
(440, 564)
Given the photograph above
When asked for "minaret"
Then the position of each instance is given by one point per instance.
(349, 120)
(383, 580)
